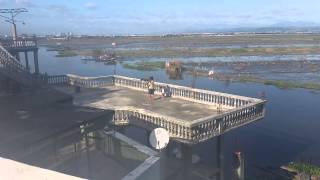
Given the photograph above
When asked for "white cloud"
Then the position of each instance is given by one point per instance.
(26, 3)
(90, 5)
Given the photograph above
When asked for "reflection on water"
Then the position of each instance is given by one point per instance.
(175, 75)
(289, 131)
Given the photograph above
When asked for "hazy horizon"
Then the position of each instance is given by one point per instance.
(118, 17)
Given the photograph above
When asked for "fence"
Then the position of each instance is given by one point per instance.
(20, 43)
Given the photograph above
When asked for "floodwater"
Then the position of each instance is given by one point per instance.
(296, 57)
(289, 132)
(133, 46)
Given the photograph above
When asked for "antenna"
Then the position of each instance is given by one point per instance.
(12, 18)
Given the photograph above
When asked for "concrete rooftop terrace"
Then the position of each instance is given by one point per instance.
(190, 115)
(117, 97)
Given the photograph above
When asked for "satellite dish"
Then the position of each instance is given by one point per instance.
(159, 138)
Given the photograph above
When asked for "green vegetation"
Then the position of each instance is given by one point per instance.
(192, 52)
(280, 83)
(97, 52)
(195, 52)
(289, 85)
(66, 53)
(145, 66)
(306, 168)
(237, 51)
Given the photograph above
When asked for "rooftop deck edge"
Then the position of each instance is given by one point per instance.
(171, 85)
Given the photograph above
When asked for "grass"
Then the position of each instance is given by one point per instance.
(282, 84)
(195, 52)
(306, 168)
(290, 85)
(145, 66)
(66, 53)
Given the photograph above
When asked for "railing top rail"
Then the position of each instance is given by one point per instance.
(248, 99)
(18, 39)
(87, 78)
(232, 111)
(153, 114)
(198, 90)
(10, 43)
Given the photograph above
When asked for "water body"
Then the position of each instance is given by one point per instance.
(289, 132)
(162, 46)
(237, 58)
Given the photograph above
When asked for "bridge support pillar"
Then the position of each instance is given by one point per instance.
(36, 63)
(26, 59)
(17, 56)
(186, 152)
(220, 157)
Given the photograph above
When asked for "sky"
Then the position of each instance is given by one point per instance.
(114, 17)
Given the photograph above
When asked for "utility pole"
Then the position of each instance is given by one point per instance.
(11, 18)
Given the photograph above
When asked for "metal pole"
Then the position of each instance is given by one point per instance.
(88, 155)
(14, 28)
(11, 19)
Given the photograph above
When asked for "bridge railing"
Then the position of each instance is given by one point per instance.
(205, 128)
(57, 80)
(191, 94)
(13, 68)
(182, 92)
(176, 129)
(73, 80)
(90, 82)
(19, 43)
(193, 131)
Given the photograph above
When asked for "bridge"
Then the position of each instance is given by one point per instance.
(15, 47)
(11, 68)
(191, 115)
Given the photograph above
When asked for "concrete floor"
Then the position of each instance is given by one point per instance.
(115, 97)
